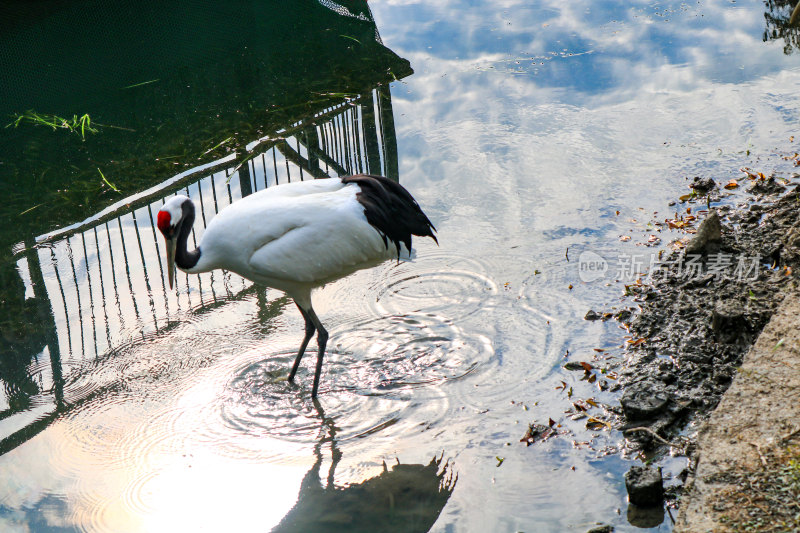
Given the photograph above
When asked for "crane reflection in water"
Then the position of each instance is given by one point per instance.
(404, 497)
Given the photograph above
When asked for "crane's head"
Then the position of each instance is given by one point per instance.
(170, 220)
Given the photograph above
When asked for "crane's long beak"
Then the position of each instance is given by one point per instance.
(171, 245)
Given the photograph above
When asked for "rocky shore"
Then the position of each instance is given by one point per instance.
(694, 338)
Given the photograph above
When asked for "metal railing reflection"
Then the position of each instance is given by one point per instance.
(100, 283)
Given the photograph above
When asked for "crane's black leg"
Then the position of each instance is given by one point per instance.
(322, 340)
(310, 328)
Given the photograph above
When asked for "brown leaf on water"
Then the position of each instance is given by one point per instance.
(595, 424)
(601, 350)
(750, 174)
(537, 432)
(591, 402)
(679, 244)
(592, 378)
(685, 197)
(637, 342)
(731, 185)
(676, 224)
(579, 365)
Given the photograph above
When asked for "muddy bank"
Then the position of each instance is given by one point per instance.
(705, 306)
(698, 315)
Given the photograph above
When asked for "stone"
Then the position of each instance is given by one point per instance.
(644, 400)
(729, 323)
(592, 315)
(703, 186)
(645, 486)
(708, 236)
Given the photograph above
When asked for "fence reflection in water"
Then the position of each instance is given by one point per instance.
(101, 283)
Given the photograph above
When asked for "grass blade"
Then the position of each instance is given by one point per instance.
(108, 182)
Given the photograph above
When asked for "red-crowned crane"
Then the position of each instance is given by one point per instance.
(298, 236)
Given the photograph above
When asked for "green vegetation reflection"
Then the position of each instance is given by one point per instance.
(164, 89)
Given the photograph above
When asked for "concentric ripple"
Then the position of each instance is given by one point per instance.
(399, 352)
(437, 283)
(259, 401)
(381, 375)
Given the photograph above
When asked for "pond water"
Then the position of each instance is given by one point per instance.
(543, 139)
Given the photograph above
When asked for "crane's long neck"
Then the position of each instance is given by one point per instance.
(185, 259)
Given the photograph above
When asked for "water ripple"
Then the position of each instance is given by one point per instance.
(436, 283)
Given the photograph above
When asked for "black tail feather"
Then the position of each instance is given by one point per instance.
(391, 210)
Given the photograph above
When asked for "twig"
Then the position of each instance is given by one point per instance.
(655, 435)
(758, 451)
(794, 431)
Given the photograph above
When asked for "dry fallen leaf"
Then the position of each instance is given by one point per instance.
(677, 223)
(596, 423)
(679, 244)
(537, 432)
(731, 184)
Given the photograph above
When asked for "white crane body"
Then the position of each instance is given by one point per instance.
(294, 247)
(299, 236)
